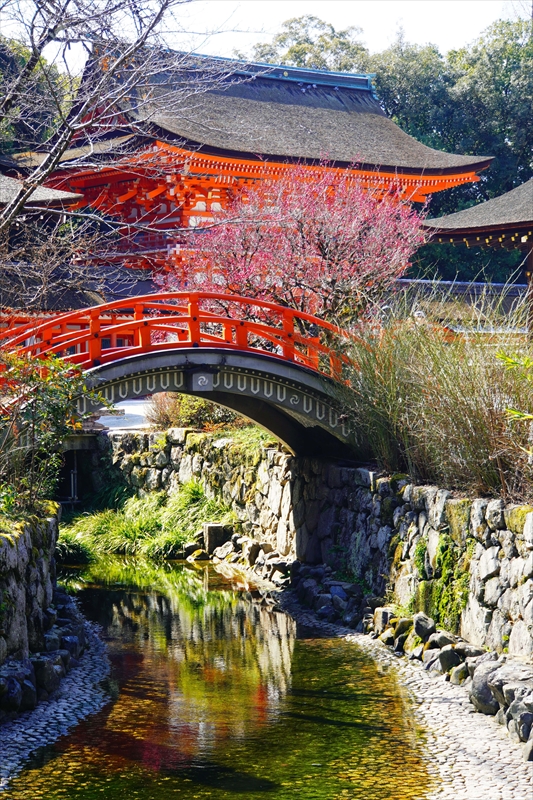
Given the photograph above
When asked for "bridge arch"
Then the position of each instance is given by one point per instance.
(305, 410)
(279, 367)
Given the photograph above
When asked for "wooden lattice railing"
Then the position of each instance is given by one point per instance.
(176, 320)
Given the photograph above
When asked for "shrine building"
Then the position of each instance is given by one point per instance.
(177, 169)
(505, 222)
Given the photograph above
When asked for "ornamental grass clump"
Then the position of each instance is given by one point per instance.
(152, 525)
(432, 397)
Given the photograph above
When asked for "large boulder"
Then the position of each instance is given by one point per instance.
(382, 617)
(424, 625)
(12, 696)
(322, 600)
(28, 699)
(466, 650)
(46, 676)
(524, 723)
(459, 674)
(480, 693)
(509, 673)
(449, 658)
(216, 535)
(224, 550)
(441, 639)
(307, 591)
(387, 637)
(403, 625)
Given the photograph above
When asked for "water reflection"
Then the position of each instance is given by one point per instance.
(216, 697)
(211, 649)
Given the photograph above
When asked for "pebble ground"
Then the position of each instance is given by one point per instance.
(79, 695)
(469, 755)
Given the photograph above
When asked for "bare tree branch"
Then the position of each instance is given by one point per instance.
(130, 66)
(108, 68)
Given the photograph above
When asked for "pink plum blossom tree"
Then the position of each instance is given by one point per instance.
(318, 241)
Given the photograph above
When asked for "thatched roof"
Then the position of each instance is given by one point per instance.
(506, 220)
(87, 153)
(258, 111)
(9, 188)
(281, 112)
(514, 207)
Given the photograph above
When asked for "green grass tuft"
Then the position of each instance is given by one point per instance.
(72, 549)
(153, 525)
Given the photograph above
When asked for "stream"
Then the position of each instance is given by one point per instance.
(216, 693)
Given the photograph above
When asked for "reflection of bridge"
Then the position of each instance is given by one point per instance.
(277, 366)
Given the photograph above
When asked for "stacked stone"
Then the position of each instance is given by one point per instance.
(492, 544)
(468, 563)
(28, 680)
(27, 573)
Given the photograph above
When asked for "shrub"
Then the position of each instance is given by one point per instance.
(37, 413)
(172, 410)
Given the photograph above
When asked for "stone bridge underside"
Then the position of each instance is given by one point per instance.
(307, 411)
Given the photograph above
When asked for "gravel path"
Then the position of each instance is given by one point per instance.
(470, 756)
(79, 696)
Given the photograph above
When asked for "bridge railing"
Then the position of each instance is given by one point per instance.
(177, 320)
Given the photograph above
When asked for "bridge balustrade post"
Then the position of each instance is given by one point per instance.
(241, 334)
(95, 342)
(288, 335)
(194, 319)
(142, 335)
(227, 333)
(47, 339)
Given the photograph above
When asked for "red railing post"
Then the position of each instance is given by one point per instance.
(227, 332)
(241, 334)
(141, 334)
(95, 343)
(194, 319)
(47, 337)
(288, 334)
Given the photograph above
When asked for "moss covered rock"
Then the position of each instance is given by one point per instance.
(458, 517)
(515, 517)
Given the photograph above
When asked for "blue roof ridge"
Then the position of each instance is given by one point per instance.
(303, 75)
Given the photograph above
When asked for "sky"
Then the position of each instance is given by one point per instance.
(239, 24)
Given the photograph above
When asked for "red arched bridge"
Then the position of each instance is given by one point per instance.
(280, 367)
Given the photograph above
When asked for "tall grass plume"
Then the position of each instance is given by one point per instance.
(432, 397)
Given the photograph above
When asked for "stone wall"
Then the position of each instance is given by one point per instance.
(42, 633)
(27, 574)
(466, 563)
